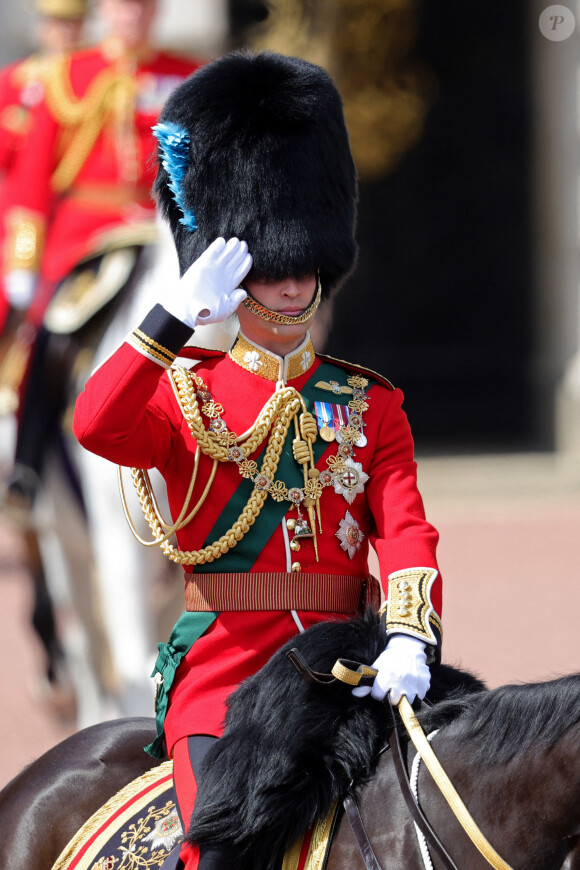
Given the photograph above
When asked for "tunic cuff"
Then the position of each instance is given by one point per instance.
(408, 608)
(160, 336)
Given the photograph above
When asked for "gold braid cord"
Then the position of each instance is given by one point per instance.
(282, 408)
(109, 94)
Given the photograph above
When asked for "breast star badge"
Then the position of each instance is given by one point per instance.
(349, 535)
(350, 480)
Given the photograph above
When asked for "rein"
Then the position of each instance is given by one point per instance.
(446, 787)
(355, 674)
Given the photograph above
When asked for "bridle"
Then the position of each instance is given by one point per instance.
(356, 674)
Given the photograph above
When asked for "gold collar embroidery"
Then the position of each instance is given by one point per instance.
(268, 365)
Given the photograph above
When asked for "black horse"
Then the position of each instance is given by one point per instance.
(512, 753)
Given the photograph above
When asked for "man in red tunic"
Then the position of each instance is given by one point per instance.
(59, 27)
(281, 465)
(78, 206)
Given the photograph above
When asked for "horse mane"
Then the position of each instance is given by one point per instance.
(288, 750)
(497, 725)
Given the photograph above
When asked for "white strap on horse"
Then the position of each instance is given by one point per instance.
(414, 782)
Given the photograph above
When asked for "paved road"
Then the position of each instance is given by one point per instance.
(27, 724)
(509, 531)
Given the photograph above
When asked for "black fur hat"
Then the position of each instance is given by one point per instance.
(269, 161)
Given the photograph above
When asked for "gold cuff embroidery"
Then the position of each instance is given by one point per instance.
(24, 240)
(408, 607)
(151, 349)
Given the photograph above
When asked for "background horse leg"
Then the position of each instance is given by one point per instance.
(56, 689)
(53, 687)
(69, 564)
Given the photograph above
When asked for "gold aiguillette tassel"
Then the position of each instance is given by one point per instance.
(309, 431)
(308, 502)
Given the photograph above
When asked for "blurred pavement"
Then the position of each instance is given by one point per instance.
(509, 555)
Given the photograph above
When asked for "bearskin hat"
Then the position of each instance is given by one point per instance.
(268, 161)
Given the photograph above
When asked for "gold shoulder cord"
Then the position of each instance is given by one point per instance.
(108, 91)
(283, 406)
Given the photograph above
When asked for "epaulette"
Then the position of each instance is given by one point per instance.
(37, 67)
(362, 370)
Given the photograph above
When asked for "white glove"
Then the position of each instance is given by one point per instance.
(208, 292)
(19, 288)
(402, 670)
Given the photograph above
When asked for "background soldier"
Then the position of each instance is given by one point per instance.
(59, 28)
(78, 220)
(78, 208)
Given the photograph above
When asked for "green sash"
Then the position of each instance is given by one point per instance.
(188, 628)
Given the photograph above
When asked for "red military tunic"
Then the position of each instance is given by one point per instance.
(21, 90)
(129, 414)
(84, 175)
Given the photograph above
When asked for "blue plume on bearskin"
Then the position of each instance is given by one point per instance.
(174, 147)
(270, 163)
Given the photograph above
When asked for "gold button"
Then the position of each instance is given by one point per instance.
(296, 566)
(291, 525)
(295, 545)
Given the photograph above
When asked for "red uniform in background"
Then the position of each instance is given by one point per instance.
(81, 183)
(78, 214)
(58, 26)
(21, 88)
(21, 91)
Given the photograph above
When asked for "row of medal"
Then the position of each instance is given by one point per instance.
(330, 419)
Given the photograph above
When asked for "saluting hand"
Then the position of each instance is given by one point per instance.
(209, 291)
